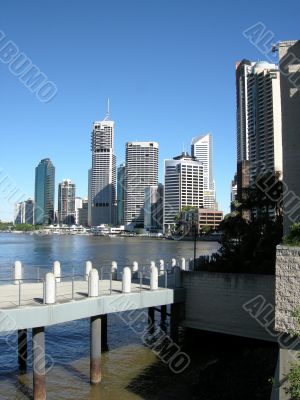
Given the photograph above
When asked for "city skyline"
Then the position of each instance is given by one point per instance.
(155, 94)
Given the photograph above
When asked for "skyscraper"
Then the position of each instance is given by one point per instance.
(141, 171)
(44, 192)
(264, 120)
(103, 173)
(243, 69)
(153, 208)
(184, 186)
(66, 202)
(120, 194)
(202, 150)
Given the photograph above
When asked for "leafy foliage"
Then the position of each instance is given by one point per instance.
(293, 238)
(248, 247)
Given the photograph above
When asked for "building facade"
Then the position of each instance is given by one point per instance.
(264, 120)
(202, 150)
(120, 193)
(141, 171)
(83, 213)
(66, 202)
(289, 66)
(44, 192)
(24, 212)
(78, 205)
(153, 208)
(183, 186)
(103, 173)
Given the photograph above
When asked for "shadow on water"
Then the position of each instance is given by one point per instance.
(222, 368)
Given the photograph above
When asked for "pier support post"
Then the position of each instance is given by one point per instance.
(95, 350)
(151, 319)
(163, 313)
(22, 350)
(174, 320)
(104, 331)
(38, 363)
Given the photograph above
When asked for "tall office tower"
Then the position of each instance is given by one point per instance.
(103, 174)
(66, 202)
(141, 171)
(289, 66)
(44, 192)
(242, 70)
(184, 186)
(153, 208)
(120, 193)
(264, 120)
(202, 150)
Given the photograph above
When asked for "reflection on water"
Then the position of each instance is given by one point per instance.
(130, 370)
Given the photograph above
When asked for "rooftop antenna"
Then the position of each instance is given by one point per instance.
(107, 111)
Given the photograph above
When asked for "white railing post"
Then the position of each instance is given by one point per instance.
(88, 268)
(114, 269)
(94, 283)
(57, 271)
(126, 280)
(173, 262)
(161, 267)
(135, 266)
(183, 264)
(153, 277)
(18, 272)
(50, 289)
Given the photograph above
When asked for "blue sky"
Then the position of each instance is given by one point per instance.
(168, 68)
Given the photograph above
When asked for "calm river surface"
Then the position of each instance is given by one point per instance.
(130, 369)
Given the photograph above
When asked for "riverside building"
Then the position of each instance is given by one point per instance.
(44, 192)
(141, 171)
(183, 186)
(102, 177)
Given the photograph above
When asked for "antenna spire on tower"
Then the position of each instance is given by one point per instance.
(107, 111)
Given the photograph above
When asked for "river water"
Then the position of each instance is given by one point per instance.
(130, 370)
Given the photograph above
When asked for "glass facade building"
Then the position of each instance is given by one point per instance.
(44, 192)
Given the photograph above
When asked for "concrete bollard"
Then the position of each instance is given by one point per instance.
(18, 272)
(173, 262)
(161, 267)
(152, 264)
(50, 289)
(177, 277)
(57, 271)
(183, 264)
(153, 278)
(88, 268)
(126, 280)
(135, 266)
(94, 283)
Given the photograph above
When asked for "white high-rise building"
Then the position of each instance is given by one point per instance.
(202, 150)
(103, 173)
(66, 202)
(78, 205)
(141, 171)
(243, 69)
(184, 186)
(264, 120)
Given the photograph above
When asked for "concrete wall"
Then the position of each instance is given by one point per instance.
(214, 302)
(287, 288)
(289, 65)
